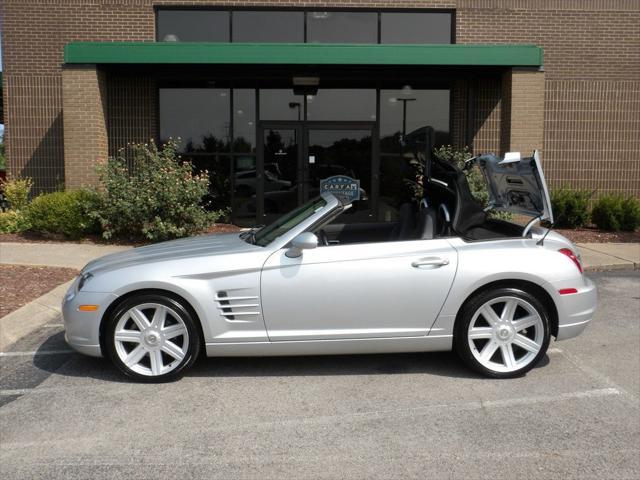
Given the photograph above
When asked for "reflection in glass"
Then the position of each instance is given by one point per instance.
(268, 26)
(218, 168)
(199, 116)
(433, 27)
(193, 26)
(281, 104)
(342, 27)
(244, 190)
(412, 112)
(342, 152)
(281, 182)
(412, 123)
(244, 120)
(342, 104)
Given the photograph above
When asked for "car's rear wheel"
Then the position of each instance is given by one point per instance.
(152, 338)
(502, 333)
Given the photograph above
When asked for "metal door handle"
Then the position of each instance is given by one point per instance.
(430, 262)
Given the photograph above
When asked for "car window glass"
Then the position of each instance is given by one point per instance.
(285, 223)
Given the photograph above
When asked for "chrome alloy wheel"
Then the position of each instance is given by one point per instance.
(505, 334)
(151, 339)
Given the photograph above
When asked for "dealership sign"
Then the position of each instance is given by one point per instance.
(346, 189)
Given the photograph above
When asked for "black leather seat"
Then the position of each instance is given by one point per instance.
(406, 226)
(426, 224)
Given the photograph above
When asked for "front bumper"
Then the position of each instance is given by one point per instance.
(82, 329)
(576, 310)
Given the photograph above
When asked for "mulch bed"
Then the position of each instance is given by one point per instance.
(21, 284)
(593, 235)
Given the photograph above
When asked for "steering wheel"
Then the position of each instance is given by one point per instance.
(322, 238)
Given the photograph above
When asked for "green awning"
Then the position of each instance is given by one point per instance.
(300, 54)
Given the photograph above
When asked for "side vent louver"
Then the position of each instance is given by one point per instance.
(237, 308)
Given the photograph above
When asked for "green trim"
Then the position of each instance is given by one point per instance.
(300, 54)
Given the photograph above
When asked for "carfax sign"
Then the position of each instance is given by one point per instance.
(346, 189)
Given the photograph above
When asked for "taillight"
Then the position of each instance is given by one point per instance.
(569, 253)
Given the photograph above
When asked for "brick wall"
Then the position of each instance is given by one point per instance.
(592, 70)
(85, 129)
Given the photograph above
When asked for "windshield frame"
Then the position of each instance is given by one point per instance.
(331, 203)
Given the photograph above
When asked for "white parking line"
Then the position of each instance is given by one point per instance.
(35, 354)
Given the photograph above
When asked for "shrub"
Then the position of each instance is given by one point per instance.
(630, 214)
(13, 221)
(614, 212)
(63, 213)
(158, 199)
(17, 192)
(477, 184)
(570, 208)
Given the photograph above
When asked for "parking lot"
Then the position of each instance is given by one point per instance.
(385, 416)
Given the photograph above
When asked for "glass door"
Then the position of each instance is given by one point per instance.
(280, 176)
(340, 149)
(294, 157)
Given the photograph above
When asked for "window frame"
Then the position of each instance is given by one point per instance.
(306, 10)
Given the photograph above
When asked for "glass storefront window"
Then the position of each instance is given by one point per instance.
(342, 105)
(268, 26)
(244, 190)
(244, 120)
(409, 113)
(428, 27)
(193, 26)
(281, 104)
(342, 27)
(412, 123)
(198, 116)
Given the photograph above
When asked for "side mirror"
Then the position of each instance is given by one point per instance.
(302, 242)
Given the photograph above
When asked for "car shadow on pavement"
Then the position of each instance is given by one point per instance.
(438, 363)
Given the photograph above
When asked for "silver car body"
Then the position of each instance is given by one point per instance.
(356, 298)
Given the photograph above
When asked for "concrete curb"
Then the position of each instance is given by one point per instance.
(627, 267)
(28, 318)
(610, 256)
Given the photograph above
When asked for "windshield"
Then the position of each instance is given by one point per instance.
(268, 234)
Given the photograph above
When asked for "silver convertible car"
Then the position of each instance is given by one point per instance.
(446, 275)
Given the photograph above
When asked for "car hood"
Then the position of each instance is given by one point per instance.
(516, 184)
(200, 246)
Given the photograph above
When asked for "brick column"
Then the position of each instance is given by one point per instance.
(522, 111)
(84, 124)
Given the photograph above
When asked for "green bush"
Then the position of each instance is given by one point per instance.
(570, 208)
(63, 213)
(13, 221)
(158, 199)
(476, 181)
(615, 212)
(17, 192)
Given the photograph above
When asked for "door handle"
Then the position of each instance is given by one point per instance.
(430, 262)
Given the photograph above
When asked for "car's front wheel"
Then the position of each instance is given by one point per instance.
(152, 338)
(502, 333)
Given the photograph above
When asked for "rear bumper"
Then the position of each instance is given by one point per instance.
(576, 310)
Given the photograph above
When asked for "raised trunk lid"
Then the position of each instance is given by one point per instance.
(516, 184)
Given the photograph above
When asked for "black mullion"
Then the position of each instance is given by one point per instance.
(375, 161)
(230, 26)
(379, 27)
(304, 21)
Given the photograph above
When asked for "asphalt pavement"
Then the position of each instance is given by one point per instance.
(577, 415)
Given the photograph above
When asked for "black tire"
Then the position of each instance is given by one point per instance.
(193, 343)
(468, 310)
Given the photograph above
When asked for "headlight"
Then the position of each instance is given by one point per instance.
(84, 277)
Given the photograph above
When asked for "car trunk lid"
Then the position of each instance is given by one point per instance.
(516, 184)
